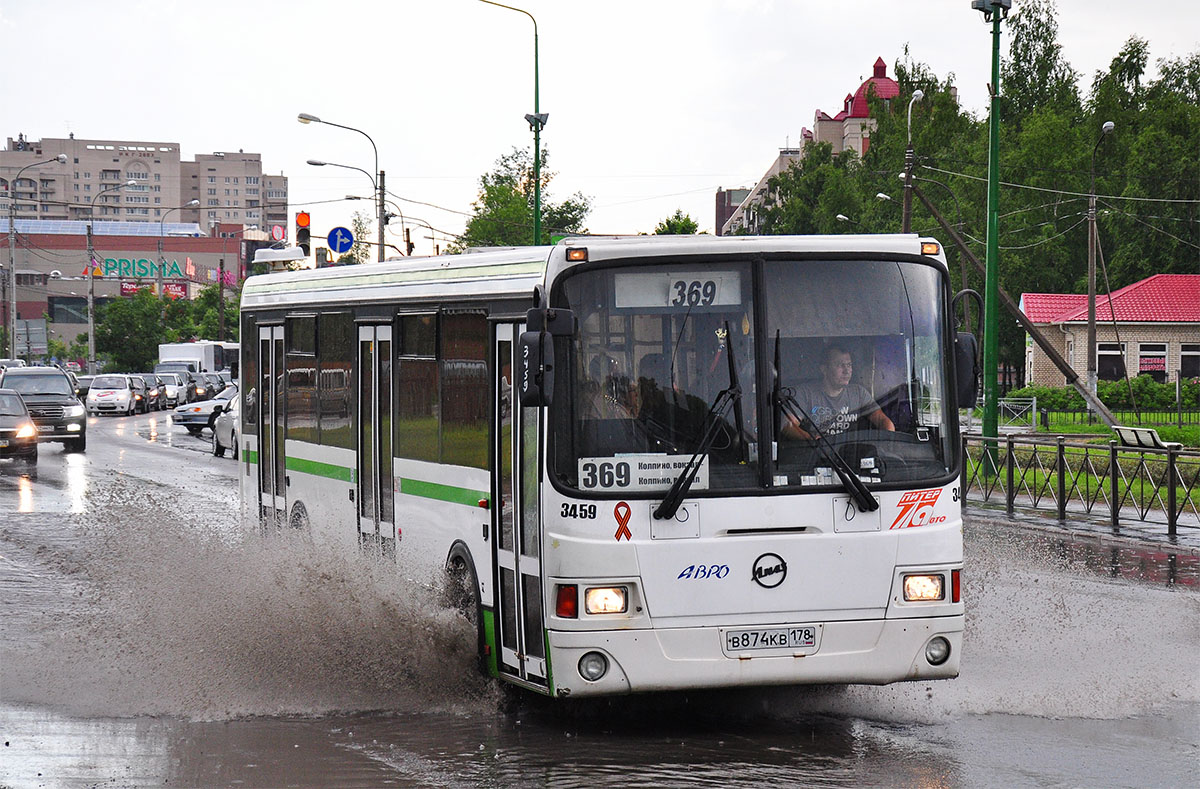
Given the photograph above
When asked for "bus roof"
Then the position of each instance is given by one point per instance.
(513, 272)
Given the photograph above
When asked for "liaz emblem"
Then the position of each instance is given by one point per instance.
(769, 570)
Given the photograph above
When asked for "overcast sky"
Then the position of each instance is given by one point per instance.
(653, 104)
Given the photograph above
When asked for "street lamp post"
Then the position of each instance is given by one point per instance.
(380, 220)
(909, 161)
(91, 278)
(12, 251)
(993, 11)
(162, 261)
(377, 187)
(537, 121)
(221, 279)
(1092, 361)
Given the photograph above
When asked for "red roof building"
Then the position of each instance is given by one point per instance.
(1156, 333)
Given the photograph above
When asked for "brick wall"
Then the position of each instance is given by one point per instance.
(1071, 341)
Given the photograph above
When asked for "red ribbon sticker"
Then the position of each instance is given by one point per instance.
(622, 513)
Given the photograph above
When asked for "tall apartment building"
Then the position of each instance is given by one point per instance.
(229, 186)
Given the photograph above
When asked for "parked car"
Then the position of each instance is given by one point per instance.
(179, 388)
(199, 415)
(82, 384)
(6, 363)
(115, 394)
(224, 434)
(50, 397)
(18, 433)
(156, 391)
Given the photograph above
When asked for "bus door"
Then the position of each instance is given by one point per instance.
(375, 513)
(272, 429)
(516, 521)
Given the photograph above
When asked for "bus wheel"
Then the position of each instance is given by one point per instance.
(461, 592)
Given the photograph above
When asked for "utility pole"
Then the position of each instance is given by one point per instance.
(1092, 360)
(380, 214)
(221, 300)
(91, 301)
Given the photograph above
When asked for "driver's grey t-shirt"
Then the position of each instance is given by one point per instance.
(834, 415)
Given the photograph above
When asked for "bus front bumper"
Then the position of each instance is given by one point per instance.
(872, 652)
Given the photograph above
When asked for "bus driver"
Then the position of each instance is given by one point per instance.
(834, 403)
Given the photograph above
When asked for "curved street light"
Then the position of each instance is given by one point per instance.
(537, 121)
(909, 161)
(306, 119)
(91, 278)
(162, 261)
(12, 251)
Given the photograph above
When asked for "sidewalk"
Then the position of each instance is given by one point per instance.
(1140, 552)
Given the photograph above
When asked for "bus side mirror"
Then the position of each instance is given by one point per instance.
(535, 368)
(966, 366)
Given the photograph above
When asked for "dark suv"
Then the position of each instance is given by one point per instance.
(50, 397)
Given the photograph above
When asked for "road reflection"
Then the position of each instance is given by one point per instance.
(24, 494)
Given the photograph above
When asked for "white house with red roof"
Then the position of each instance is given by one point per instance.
(848, 129)
(1156, 332)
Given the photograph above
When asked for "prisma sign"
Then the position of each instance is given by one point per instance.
(142, 267)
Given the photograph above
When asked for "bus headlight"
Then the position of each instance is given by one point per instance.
(924, 588)
(606, 600)
(593, 666)
(937, 651)
(27, 430)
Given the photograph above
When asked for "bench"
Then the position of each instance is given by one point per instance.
(1143, 438)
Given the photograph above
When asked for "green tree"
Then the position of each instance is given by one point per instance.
(206, 314)
(1035, 75)
(677, 224)
(503, 211)
(360, 225)
(129, 331)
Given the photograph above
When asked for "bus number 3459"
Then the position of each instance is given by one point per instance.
(605, 475)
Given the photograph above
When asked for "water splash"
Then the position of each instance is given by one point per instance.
(172, 616)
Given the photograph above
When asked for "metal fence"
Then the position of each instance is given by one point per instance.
(1124, 417)
(1112, 482)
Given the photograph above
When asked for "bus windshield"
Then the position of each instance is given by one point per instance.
(852, 361)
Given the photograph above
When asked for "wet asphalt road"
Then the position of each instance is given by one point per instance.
(147, 640)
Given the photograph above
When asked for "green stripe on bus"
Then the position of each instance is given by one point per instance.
(489, 638)
(319, 469)
(251, 455)
(433, 490)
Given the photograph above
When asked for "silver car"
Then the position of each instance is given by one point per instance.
(224, 434)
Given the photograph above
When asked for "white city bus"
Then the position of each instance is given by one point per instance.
(594, 438)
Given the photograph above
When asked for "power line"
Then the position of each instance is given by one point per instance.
(1064, 192)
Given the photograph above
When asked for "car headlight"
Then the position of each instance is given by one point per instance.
(73, 410)
(27, 430)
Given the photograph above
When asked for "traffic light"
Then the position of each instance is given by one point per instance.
(303, 230)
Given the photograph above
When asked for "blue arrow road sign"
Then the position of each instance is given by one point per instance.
(340, 240)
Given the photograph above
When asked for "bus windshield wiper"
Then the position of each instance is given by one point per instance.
(731, 396)
(854, 486)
